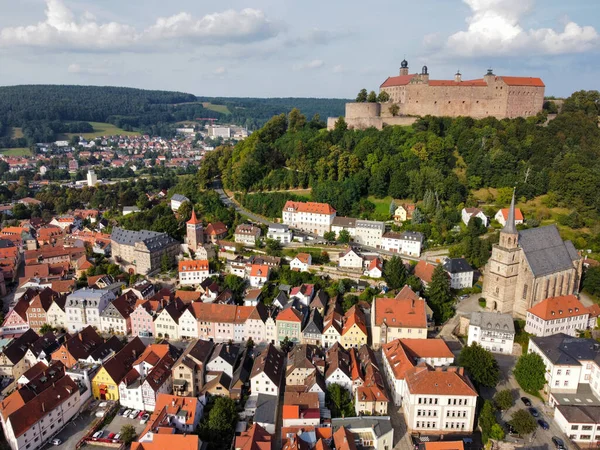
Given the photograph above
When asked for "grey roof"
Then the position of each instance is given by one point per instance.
(372, 224)
(346, 222)
(412, 236)
(180, 198)
(510, 227)
(493, 321)
(315, 323)
(228, 352)
(282, 299)
(153, 240)
(545, 250)
(457, 265)
(278, 226)
(580, 414)
(266, 409)
(379, 425)
(562, 349)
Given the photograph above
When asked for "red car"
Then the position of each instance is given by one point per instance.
(141, 414)
(110, 436)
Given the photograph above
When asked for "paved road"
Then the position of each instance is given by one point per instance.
(218, 188)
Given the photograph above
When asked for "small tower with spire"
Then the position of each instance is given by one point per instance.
(509, 236)
(194, 232)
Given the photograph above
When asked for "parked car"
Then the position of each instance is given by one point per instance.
(98, 434)
(110, 436)
(534, 412)
(117, 436)
(134, 414)
(542, 423)
(141, 414)
(526, 401)
(102, 405)
(126, 413)
(121, 411)
(145, 418)
(558, 443)
(55, 441)
(100, 413)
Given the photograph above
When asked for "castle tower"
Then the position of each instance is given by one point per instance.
(404, 67)
(502, 270)
(194, 232)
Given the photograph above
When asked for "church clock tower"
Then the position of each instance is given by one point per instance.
(502, 269)
(194, 232)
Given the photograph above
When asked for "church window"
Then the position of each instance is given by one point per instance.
(497, 291)
(525, 292)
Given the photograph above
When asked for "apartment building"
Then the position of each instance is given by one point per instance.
(189, 370)
(312, 217)
(493, 331)
(193, 272)
(84, 306)
(563, 314)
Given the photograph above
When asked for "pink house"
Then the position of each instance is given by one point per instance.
(16, 320)
(142, 317)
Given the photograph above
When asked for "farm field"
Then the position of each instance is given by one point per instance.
(17, 133)
(217, 108)
(101, 129)
(20, 151)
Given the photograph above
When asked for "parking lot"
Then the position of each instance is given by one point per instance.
(75, 430)
(118, 422)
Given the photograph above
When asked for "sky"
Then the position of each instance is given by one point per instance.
(285, 48)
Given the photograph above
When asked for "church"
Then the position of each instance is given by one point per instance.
(529, 266)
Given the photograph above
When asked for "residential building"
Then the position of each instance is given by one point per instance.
(564, 314)
(84, 306)
(255, 438)
(368, 431)
(38, 308)
(33, 414)
(259, 275)
(193, 272)
(369, 233)
(15, 321)
(354, 329)
(177, 200)
(338, 366)
(166, 323)
(105, 384)
(404, 213)
(332, 328)
(374, 267)
(303, 361)
(280, 232)
(350, 259)
(460, 273)
(267, 411)
(340, 224)
(12, 359)
(502, 216)
(223, 359)
(149, 377)
(301, 409)
(215, 231)
(402, 355)
(304, 293)
(143, 316)
(407, 243)
(142, 252)
(403, 316)
(255, 326)
(188, 324)
(424, 271)
(246, 234)
(289, 325)
(116, 317)
(301, 262)
(493, 331)
(173, 414)
(267, 372)
(252, 297)
(468, 213)
(194, 236)
(581, 423)
(157, 441)
(312, 333)
(343, 439)
(86, 346)
(189, 370)
(309, 216)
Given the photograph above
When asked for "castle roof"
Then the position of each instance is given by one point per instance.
(309, 207)
(193, 220)
(401, 80)
(523, 81)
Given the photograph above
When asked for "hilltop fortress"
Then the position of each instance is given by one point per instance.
(418, 95)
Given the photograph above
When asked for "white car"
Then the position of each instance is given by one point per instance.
(145, 418)
(100, 413)
(134, 414)
(127, 412)
(56, 441)
(102, 405)
(98, 434)
(117, 436)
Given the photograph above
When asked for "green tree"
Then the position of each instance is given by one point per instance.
(165, 264)
(439, 295)
(128, 434)
(481, 364)
(591, 280)
(237, 285)
(329, 236)
(184, 213)
(46, 328)
(383, 97)
(362, 96)
(344, 237)
(339, 401)
(222, 418)
(523, 422)
(487, 419)
(497, 433)
(392, 209)
(296, 120)
(394, 109)
(394, 273)
(372, 98)
(286, 345)
(273, 247)
(504, 399)
(530, 372)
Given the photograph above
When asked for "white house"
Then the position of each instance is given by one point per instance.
(259, 275)
(467, 213)
(177, 200)
(255, 325)
(564, 314)
(301, 262)
(369, 431)
(460, 273)
(350, 259)
(493, 331)
(188, 324)
(502, 216)
(280, 232)
(407, 243)
(369, 233)
(83, 308)
(193, 271)
(375, 268)
(581, 423)
(308, 216)
(223, 358)
(267, 372)
(247, 234)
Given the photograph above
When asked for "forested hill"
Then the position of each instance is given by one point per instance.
(43, 111)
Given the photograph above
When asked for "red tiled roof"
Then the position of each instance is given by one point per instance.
(425, 381)
(558, 307)
(193, 265)
(518, 214)
(303, 257)
(523, 81)
(193, 220)
(479, 82)
(397, 312)
(289, 315)
(445, 445)
(258, 270)
(424, 271)
(310, 207)
(401, 80)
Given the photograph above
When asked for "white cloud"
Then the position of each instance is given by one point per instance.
(317, 36)
(220, 71)
(61, 30)
(310, 65)
(78, 69)
(338, 69)
(494, 28)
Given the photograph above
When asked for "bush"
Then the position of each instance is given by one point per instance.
(482, 302)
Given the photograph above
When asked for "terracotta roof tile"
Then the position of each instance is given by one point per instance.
(558, 307)
(309, 207)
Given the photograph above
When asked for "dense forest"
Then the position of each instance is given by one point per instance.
(44, 111)
(438, 160)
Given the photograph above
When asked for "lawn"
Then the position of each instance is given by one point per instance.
(382, 206)
(22, 151)
(218, 108)
(101, 129)
(17, 133)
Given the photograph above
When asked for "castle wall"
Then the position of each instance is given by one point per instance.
(524, 101)
(362, 110)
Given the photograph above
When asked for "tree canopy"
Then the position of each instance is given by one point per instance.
(394, 273)
(481, 364)
(530, 372)
(523, 422)
(439, 295)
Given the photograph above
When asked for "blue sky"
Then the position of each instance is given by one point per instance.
(276, 48)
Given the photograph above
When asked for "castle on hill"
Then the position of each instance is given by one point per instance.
(417, 95)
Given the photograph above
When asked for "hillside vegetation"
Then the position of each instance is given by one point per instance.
(343, 167)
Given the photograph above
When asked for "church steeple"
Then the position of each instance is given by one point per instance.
(510, 226)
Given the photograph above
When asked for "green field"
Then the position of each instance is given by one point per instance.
(218, 108)
(101, 129)
(17, 133)
(382, 206)
(22, 151)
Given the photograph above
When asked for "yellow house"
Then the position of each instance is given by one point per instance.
(105, 385)
(400, 214)
(354, 331)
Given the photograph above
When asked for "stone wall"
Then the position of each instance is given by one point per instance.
(362, 110)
